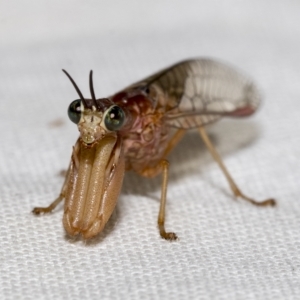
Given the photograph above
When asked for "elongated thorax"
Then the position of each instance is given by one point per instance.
(95, 182)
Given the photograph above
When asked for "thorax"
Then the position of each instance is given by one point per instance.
(146, 135)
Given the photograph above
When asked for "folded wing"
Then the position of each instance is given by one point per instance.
(199, 92)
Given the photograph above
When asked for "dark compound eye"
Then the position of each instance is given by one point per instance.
(74, 111)
(114, 118)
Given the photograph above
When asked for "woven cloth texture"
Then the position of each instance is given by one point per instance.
(227, 249)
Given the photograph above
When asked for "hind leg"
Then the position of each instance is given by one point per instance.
(237, 192)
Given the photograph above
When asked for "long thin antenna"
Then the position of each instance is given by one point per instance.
(76, 88)
(92, 89)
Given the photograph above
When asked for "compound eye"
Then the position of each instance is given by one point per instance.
(74, 111)
(114, 118)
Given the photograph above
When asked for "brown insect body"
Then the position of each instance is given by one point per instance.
(134, 130)
(147, 135)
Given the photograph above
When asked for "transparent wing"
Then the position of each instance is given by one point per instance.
(198, 92)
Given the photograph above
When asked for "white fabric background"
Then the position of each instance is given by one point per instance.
(227, 249)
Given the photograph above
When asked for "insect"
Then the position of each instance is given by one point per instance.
(136, 129)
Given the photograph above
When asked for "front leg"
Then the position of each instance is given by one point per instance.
(62, 195)
(49, 209)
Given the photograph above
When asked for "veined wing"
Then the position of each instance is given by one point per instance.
(198, 92)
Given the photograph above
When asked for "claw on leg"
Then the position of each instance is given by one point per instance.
(267, 202)
(169, 236)
(45, 210)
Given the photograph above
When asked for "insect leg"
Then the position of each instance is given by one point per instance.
(174, 141)
(163, 167)
(73, 164)
(48, 209)
(237, 192)
(151, 172)
(164, 164)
